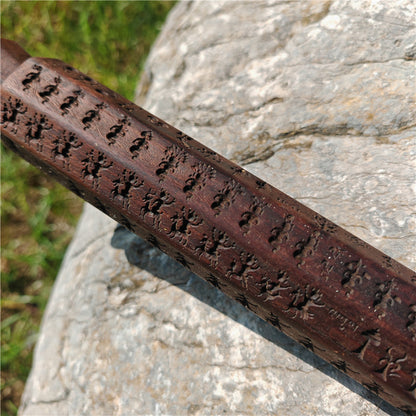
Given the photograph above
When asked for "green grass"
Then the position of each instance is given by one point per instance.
(108, 40)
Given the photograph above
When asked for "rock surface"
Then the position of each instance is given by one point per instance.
(316, 97)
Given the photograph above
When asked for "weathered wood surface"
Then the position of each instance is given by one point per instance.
(351, 304)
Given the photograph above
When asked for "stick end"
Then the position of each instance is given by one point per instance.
(12, 55)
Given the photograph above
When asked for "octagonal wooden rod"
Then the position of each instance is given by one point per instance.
(349, 303)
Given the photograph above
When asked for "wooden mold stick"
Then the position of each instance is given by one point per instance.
(346, 301)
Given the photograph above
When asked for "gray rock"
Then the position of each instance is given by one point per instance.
(317, 98)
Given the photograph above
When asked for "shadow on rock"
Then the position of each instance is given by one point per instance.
(142, 254)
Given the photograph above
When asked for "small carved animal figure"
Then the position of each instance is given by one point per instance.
(140, 143)
(71, 101)
(391, 363)
(31, 77)
(157, 121)
(184, 138)
(384, 298)
(273, 287)
(118, 130)
(372, 337)
(92, 115)
(354, 275)
(49, 90)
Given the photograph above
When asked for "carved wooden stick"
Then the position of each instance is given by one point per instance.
(343, 299)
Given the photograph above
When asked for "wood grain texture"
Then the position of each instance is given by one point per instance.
(332, 292)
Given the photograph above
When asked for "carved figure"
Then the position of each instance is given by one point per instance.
(242, 268)
(93, 164)
(329, 262)
(140, 143)
(117, 131)
(306, 248)
(214, 281)
(180, 258)
(32, 77)
(10, 113)
(226, 196)
(273, 287)
(36, 127)
(245, 302)
(391, 363)
(201, 173)
(154, 202)
(156, 121)
(209, 153)
(372, 337)
(184, 138)
(182, 223)
(71, 101)
(303, 299)
(251, 217)
(92, 115)
(275, 321)
(384, 298)
(63, 147)
(354, 275)
(51, 89)
(211, 245)
(281, 234)
(123, 186)
(174, 155)
(325, 225)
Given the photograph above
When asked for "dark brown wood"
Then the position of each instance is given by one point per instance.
(332, 292)
(12, 55)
